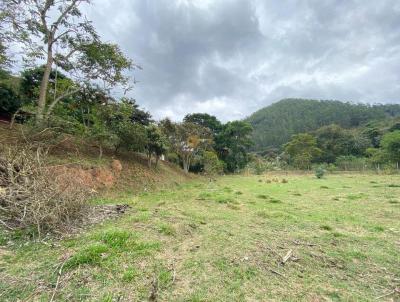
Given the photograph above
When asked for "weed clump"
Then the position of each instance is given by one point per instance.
(319, 172)
(326, 227)
(274, 200)
(116, 238)
(129, 275)
(167, 229)
(91, 255)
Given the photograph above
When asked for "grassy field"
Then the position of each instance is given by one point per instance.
(225, 241)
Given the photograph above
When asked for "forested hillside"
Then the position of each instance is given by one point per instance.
(274, 125)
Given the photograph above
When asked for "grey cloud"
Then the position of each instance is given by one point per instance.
(231, 57)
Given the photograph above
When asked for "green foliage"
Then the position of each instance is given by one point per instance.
(391, 145)
(105, 61)
(9, 100)
(351, 163)
(319, 172)
(156, 143)
(167, 229)
(59, 34)
(186, 139)
(30, 82)
(258, 165)
(212, 165)
(130, 274)
(302, 150)
(115, 238)
(335, 141)
(205, 120)
(233, 143)
(376, 156)
(274, 125)
(90, 255)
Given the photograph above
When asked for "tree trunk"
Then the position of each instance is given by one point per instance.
(149, 159)
(100, 151)
(185, 166)
(44, 83)
(157, 158)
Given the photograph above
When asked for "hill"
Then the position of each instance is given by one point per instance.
(79, 160)
(275, 124)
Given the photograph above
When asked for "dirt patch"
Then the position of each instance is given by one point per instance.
(92, 178)
(104, 212)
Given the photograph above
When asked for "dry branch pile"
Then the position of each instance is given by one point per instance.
(32, 196)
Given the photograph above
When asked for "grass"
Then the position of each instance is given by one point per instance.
(207, 242)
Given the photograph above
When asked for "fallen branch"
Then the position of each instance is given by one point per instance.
(6, 225)
(303, 243)
(396, 290)
(58, 281)
(278, 273)
(287, 256)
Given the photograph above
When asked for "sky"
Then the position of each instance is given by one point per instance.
(230, 58)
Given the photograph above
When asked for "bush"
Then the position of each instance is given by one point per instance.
(212, 165)
(31, 196)
(9, 101)
(319, 172)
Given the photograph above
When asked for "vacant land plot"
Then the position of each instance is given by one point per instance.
(255, 238)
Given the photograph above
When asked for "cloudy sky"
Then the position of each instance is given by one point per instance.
(232, 57)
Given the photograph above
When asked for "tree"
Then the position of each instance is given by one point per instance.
(57, 32)
(156, 144)
(302, 150)
(99, 132)
(391, 145)
(117, 117)
(376, 156)
(5, 37)
(232, 144)
(9, 100)
(186, 140)
(335, 141)
(205, 120)
(212, 165)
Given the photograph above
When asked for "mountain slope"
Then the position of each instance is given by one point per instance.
(275, 124)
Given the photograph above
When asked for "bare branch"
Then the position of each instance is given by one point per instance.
(54, 103)
(69, 8)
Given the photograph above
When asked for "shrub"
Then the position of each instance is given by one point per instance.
(319, 172)
(31, 195)
(212, 165)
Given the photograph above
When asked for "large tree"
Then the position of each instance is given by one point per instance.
(302, 150)
(334, 141)
(232, 144)
(4, 37)
(391, 145)
(205, 120)
(186, 140)
(57, 33)
(155, 145)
